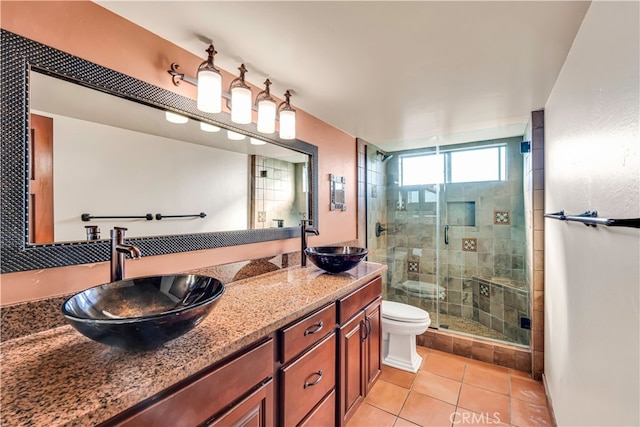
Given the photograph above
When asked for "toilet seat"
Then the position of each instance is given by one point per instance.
(404, 313)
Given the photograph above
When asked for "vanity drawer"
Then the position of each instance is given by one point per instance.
(307, 380)
(324, 414)
(207, 395)
(358, 299)
(306, 332)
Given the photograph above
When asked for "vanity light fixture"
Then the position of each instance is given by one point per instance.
(240, 99)
(209, 85)
(235, 136)
(287, 116)
(206, 127)
(175, 118)
(266, 110)
(255, 141)
(210, 94)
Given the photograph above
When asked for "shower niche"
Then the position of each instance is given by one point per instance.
(461, 214)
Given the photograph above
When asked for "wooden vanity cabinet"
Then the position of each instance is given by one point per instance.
(313, 372)
(359, 346)
(239, 391)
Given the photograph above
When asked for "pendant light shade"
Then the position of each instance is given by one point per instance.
(287, 118)
(266, 110)
(209, 85)
(267, 116)
(240, 99)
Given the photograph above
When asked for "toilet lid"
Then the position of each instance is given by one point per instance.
(403, 312)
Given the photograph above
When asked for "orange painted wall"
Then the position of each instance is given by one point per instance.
(89, 31)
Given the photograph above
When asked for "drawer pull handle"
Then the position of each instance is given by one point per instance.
(318, 328)
(319, 374)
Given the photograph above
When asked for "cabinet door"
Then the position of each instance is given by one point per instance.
(254, 411)
(373, 343)
(352, 387)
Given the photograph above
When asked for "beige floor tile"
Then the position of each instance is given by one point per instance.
(427, 411)
(404, 423)
(438, 387)
(516, 373)
(466, 418)
(397, 376)
(528, 390)
(387, 396)
(368, 416)
(489, 379)
(444, 366)
(485, 402)
(525, 414)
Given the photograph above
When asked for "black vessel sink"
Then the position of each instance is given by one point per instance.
(336, 259)
(145, 312)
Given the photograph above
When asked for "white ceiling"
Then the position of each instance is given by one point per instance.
(398, 74)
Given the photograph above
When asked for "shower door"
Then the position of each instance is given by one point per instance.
(482, 280)
(403, 232)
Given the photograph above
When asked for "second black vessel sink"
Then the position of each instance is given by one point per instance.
(336, 259)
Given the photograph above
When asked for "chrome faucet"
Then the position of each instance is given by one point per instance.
(304, 230)
(118, 251)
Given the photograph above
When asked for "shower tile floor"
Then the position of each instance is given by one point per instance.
(471, 327)
(453, 391)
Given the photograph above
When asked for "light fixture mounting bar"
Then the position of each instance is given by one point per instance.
(177, 77)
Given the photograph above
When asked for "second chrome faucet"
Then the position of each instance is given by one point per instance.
(304, 230)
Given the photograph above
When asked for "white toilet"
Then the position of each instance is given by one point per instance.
(400, 325)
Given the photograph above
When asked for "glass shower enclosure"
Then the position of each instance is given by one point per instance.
(449, 223)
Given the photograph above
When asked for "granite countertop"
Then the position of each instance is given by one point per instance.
(60, 377)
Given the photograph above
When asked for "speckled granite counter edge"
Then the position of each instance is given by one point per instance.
(59, 377)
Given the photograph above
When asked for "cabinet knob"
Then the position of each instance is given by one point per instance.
(308, 384)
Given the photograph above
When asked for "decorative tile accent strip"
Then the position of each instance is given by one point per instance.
(501, 217)
(484, 290)
(413, 266)
(469, 245)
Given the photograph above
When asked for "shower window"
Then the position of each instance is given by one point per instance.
(481, 164)
(422, 170)
(454, 166)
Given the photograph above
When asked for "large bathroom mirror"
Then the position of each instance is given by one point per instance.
(85, 148)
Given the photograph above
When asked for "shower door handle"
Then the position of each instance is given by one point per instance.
(446, 234)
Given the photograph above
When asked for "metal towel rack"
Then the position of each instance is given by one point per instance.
(590, 219)
(200, 215)
(88, 217)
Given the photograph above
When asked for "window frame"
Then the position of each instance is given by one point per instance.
(447, 165)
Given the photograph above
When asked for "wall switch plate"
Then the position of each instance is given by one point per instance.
(262, 216)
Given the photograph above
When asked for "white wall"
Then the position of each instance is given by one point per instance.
(102, 175)
(592, 276)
